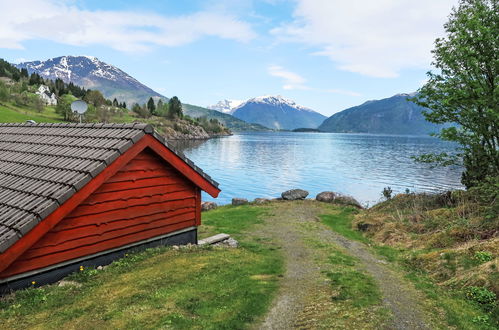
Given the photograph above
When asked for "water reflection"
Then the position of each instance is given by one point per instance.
(265, 164)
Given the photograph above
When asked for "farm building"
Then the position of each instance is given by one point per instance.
(76, 195)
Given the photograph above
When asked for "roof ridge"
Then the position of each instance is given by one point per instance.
(140, 126)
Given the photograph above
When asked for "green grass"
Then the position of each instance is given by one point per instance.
(231, 220)
(458, 311)
(340, 220)
(355, 299)
(354, 286)
(196, 288)
(14, 114)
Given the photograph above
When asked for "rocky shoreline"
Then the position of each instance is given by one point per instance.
(190, 132)
(292, 195)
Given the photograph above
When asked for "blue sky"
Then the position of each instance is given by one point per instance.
(325, 54)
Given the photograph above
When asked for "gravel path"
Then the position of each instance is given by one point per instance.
(304, 287)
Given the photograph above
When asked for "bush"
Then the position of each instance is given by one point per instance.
(481, 295)
(387, 192)
(483, 256)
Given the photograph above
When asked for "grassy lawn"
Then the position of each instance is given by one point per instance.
(14, 114)
(458, 311)
(189, 288)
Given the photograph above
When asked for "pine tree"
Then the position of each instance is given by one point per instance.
(151, 106)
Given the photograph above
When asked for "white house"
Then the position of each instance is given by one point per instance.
(44, 93)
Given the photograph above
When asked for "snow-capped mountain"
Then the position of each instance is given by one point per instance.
(277, 112)
(225, 106)
(91, 73)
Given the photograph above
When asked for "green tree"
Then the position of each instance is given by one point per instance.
(95, 98)
(24, 73)
(151, 106)
(464, 91)
(4, 92)
(64, 107)
(175, 108)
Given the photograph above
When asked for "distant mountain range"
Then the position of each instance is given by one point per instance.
(393, 115)
(91, 73)
(274, 112)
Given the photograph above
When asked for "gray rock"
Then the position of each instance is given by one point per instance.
(206, 206)
(239, 201)
(326, 196)
(337, 198)
(230, 242)
(213, 239)
(261, 200)
(294, 194)
(347, 200)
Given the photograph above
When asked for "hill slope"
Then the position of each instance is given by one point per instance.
(393, 115)
(278, 113)
(229, 121)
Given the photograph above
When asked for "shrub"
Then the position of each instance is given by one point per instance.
(387, 192)
(481, 295)
(483, 256)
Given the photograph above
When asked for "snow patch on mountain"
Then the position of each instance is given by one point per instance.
(276, 100)
(90, 72)
(225, 106)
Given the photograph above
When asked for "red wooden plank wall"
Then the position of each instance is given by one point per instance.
(145, 199)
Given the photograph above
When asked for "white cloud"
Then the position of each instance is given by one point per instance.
(374, 38)
(294, 81)
(59, 21)
(291, 80)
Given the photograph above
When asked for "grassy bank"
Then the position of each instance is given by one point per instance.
(189, 288)
(10, 113)
(448, 249)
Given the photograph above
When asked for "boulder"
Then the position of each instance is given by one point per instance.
(206, 206)
(261, 200)
(347, 200)
(336, 198)
(239, 201)
(294, 194)
(326, 196)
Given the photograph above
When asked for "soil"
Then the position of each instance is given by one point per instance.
(305, 293)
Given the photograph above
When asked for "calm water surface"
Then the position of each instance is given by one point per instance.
(252, 165)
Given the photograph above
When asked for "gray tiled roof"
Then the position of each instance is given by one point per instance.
(43, 165)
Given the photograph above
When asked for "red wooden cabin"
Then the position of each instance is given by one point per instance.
(76, 195)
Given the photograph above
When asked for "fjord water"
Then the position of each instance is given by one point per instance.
(251, 165)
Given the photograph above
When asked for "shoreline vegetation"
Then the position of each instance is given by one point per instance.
(443, 247)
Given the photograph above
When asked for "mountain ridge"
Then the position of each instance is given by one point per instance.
(392, 115)
(92, 73)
